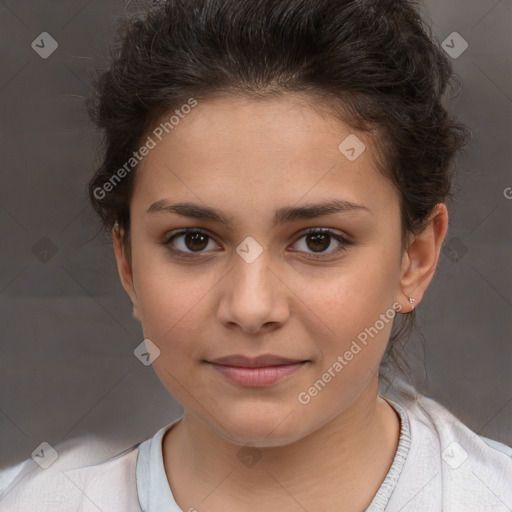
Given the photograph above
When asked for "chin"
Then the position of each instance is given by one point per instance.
(259, 432)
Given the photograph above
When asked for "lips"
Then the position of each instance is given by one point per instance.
(262, 361)
(264, 370)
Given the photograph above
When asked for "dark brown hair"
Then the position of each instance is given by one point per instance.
(373, 62)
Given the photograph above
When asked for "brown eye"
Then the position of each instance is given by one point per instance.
(196, 241)
(187, 242)
(318, 242)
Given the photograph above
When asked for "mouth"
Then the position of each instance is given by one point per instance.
(256, 372)
(262, 361)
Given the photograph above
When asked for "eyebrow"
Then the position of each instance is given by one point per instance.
(282, 215)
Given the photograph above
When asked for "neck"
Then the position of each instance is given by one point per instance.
(349, 455)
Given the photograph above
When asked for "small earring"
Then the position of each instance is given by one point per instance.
(411, 300)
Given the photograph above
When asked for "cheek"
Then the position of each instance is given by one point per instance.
(360, 288)
(353, 304)
(358, 311)
(171, 299)
(173, 308)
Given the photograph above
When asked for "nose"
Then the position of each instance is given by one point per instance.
(253, 297)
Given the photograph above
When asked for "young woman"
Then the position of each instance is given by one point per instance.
(275, 178)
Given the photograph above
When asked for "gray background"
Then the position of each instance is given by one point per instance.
(67, 367)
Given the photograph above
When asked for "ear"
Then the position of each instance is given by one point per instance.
(419, 261)
(124, 267)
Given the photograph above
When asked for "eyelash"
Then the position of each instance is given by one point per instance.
(315, 256)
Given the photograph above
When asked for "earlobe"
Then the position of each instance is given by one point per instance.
(420, 260)
(124, 267)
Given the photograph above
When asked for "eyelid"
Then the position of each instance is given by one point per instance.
(331, 231)
(184, 231)
(181, 232)
(341, 238)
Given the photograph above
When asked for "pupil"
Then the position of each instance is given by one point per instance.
(318, 238)
(195, 238)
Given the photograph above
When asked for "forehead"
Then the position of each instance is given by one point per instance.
(285, 147)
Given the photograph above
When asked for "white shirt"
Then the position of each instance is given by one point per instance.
(440, 466)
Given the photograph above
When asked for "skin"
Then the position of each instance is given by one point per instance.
(248, 158)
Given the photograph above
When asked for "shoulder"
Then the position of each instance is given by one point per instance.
(72, 482)
(450, 467)
(450, 429)
(457, 441)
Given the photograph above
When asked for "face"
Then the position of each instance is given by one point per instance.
(265, 273)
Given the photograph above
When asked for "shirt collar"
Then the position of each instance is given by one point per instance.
(155, 494)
